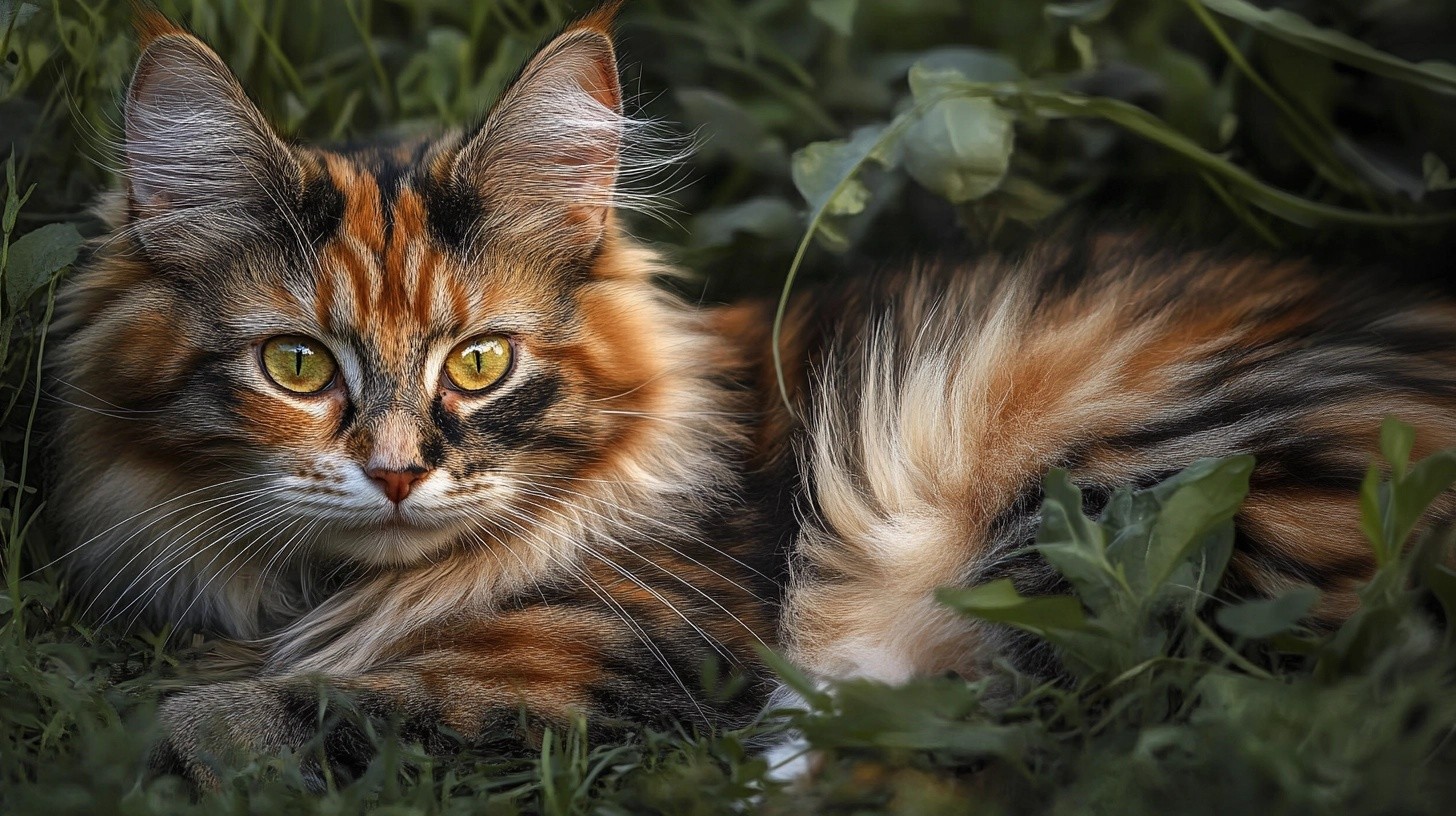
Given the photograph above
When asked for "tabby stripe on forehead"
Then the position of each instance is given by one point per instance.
(363, 214)
(360, 239)
(396, 246)
(346, 254)
(424, 297)
(408, 248)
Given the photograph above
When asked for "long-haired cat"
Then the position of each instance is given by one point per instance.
(421, 422)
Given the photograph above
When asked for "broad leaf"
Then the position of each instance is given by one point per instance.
(1426, 480)
(763, 216)
(960, 64)
(960, 148)
(1267, 617)
(36, 257)
(730, 129)
(1000, 602)
(826, 175)
(1194, 504)
(1074, 544)
(825, 172)
(925, 714)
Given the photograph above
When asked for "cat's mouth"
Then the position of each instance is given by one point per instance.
(398, 520)
(400, 523)
(396, 539)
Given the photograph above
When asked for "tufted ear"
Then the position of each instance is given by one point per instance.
(204, 170)
(545, 162)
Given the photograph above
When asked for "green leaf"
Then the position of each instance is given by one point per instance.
(1194, 582)
(1294, 29)
(1281, 203)
(1074, 544)
(1000, 602)
(1086, 51)
(13, 200)
(1396, 441)
(37, 256)
(960, 148)
(7, 328)
(837, 14)
(1267, 617)
(795, 678)
(959, 64)
(924, 714)
(824, 172)
(1426, 480)
(1193, 504)
(1062, 518)
(1370, 511)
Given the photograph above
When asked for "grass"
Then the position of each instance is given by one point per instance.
(820, 144)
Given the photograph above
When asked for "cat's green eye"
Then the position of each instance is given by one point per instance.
(479, 362)
(298, 364)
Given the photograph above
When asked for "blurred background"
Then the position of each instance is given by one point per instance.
(882, 124)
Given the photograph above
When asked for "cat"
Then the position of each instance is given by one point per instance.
(420, 420)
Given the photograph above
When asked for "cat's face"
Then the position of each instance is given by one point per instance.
(395, 388)
(386, 352)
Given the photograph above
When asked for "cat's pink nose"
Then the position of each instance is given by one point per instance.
(397, 484)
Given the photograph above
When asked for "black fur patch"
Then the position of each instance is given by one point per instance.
(448, 422)
(432, 450)
(452, 211)
(515, 419)
(320, 209)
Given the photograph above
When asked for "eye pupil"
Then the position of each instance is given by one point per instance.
(298, 361)
(479, 362)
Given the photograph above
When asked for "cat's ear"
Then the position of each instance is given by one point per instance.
(204, 170)
(546, 160)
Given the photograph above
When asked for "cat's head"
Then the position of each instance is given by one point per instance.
(380, 354)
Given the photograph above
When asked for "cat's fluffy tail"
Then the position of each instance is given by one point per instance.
(888, 519)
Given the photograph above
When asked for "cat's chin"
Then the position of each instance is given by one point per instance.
(389, 544)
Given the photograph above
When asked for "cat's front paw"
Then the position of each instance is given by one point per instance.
(211, 730)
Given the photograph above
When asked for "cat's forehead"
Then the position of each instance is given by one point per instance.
(389, 272)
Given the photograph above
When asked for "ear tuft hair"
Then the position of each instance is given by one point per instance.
(557, 154)
(151, 24)
(601, 19)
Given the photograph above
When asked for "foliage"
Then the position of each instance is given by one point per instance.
(829, 131)
(1163, 711)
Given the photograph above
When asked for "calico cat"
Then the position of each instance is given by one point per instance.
(421, 422)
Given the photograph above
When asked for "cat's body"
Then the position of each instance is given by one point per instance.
(275, 438)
